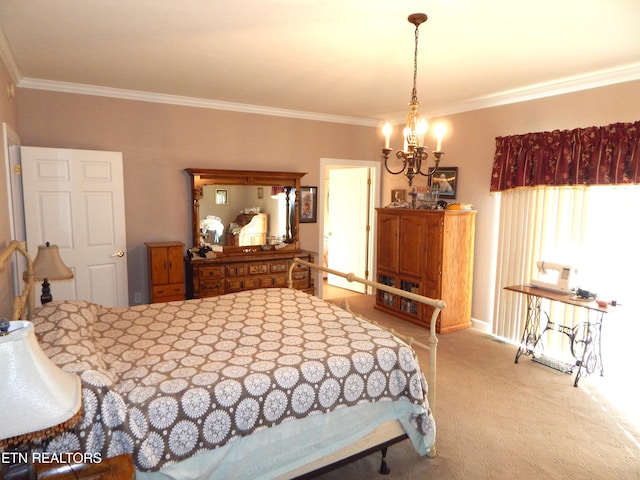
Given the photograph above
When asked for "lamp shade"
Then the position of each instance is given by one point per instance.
(48, 264)
(36, 395)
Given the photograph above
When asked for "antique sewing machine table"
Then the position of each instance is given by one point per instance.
(585, 336)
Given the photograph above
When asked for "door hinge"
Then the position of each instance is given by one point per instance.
(17, 169)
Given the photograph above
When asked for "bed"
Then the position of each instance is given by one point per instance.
(269, 383)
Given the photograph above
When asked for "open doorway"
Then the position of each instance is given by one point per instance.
(349, 192)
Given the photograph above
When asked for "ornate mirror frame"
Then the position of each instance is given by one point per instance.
(289, 180)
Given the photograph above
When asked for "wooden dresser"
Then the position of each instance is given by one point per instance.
(429, 252)
(166, 271)
(237, 272)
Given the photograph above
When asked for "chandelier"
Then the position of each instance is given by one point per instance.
(414, 152)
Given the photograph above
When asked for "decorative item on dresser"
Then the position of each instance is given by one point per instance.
(254, 245)
(429, 252)
(166, 271)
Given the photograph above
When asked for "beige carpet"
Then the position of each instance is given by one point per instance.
(500, 420)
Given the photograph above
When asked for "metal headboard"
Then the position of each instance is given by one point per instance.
(25, 302)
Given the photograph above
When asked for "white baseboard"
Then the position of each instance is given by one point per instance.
(484, 327)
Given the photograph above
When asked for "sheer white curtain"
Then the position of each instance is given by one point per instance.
(595, 228)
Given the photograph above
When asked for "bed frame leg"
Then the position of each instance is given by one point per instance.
(384, 469)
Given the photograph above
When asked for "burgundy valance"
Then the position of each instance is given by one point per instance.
(583, 156)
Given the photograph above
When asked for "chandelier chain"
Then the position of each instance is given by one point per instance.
(414, 92)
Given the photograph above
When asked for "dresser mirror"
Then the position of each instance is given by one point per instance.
(241, 210)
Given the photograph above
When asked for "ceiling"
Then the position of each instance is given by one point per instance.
(334, 60)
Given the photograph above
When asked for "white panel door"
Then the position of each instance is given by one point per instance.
(75, 199)
(348, 214)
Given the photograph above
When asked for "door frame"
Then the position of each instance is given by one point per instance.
(11, 155)
(327, 164)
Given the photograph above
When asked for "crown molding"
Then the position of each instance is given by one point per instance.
(82, 89)
(600, 78)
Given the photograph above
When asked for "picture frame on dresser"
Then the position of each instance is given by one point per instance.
(308, 204)
(445, 182)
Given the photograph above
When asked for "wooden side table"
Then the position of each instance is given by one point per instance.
(114, 468)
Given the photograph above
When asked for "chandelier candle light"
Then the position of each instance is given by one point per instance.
(414, 151)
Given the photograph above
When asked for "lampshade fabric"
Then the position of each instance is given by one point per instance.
(35, 394)
(48, 264)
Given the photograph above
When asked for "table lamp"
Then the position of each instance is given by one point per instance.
(38, 398)
(48, 266)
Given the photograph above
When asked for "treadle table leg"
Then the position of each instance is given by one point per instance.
(591, 345)
(531, 334)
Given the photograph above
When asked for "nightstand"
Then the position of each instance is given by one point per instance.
(114, 468)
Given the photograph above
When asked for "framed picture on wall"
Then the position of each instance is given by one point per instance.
(222, 197)
(445, 180)
(308, 204)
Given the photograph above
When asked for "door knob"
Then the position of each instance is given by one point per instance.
(118, 254)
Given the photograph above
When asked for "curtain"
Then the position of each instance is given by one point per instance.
(596, 229)
(583, 156)
(568, 197)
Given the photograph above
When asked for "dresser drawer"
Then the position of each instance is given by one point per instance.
(279, 267)
(244, 283)
(209, 273)
(300, 274)
(237, 269)
(273, 281)
(213, 286)
(258, 268)
(168, 290)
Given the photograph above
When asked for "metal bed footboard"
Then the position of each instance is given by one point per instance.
(432, 341)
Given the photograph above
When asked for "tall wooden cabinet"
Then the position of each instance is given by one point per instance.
(429, 252)
(166, 271)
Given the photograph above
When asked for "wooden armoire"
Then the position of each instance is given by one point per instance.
(429, 252)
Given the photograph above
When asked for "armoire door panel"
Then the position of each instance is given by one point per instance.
(387, 242)
(411, 235)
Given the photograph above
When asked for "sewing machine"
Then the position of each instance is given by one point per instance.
(554, 276)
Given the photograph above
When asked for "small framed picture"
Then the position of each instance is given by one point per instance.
(398, 196)
(445, 181)
(222, 197)
(308, 204)
(260, 192)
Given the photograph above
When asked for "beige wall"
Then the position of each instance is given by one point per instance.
(8, 115)
(159, 141)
